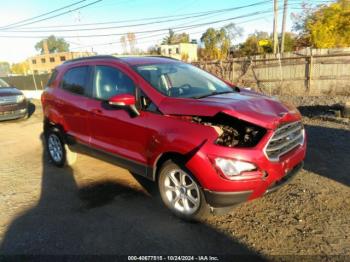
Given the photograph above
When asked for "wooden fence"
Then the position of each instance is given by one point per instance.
(28, 82)
(297, 75)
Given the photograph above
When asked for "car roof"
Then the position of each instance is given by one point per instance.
(130, 60)
(144, 60)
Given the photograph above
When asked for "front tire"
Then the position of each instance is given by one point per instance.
(59, 153)
(181, 193)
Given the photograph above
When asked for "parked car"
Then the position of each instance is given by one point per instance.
(13, 104)
(207, 144)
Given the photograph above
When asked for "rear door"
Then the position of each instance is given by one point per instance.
(72, 99)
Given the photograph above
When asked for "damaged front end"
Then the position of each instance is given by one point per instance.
(232, 132)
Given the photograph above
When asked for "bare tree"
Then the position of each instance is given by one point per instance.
(132, 42)
(124, 44)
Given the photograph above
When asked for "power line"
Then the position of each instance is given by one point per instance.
(60, 14)
(212, 15)
(157, 30)
(157, 35)
(149, 18)
(194, 15)
(45, 14)
(189, 16)
(120, 21)
(149, 31)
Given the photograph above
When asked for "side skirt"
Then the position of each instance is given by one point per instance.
(131, 165)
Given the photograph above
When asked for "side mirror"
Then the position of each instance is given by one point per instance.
(125, 101)
(229, 83)
(232, 85)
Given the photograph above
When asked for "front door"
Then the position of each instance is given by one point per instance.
(114, 130)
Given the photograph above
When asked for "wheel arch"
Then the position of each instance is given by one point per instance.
(56, 127)
(175, 156)
(162, 158)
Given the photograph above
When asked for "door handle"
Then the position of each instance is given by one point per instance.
(96, 111)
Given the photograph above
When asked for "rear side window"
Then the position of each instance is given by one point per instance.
(74, 80)
(52, 78)
(110, 81)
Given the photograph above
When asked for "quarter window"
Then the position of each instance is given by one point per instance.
(110, 81)
(52, 78)
(74, 80)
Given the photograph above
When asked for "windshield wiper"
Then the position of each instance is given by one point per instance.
(213, 94)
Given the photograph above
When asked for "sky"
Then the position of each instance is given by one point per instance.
(16, 45)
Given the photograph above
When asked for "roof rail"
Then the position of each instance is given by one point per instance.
(163, 56)
(91, 58)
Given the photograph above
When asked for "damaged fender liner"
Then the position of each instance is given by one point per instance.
(232, 132)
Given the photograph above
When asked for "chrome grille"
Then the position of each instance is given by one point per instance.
(13, 112)
(7, 100)
(286, 138)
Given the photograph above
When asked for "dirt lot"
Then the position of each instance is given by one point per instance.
(97, 208)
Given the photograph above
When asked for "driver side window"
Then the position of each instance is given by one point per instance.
(110, 81)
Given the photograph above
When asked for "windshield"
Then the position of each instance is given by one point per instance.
(3, 83)
(182, 80)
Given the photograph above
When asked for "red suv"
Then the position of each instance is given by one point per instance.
(207, 143)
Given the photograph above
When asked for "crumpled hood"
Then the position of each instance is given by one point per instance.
(249, 106)
(9, 91)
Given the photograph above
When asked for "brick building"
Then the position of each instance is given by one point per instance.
(181, 51)
(45, 63)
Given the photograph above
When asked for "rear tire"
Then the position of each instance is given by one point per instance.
(59, 153)
(181, 193)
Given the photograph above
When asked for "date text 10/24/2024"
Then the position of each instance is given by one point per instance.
(173, 258)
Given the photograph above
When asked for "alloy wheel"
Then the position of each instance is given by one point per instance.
(182, 192)
(55, 148)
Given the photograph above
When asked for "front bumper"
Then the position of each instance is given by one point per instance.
(226, 199)
(221, 192)
(285, 179)
(13, 114)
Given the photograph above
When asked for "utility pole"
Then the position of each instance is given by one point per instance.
(32, 71)
(77, 20)
(284, 24)
(275, 20)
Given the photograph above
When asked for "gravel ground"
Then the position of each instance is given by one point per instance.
(97, 208)
(315, 100)
(312, 106)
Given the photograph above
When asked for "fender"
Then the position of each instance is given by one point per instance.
(53, 116)
(174, 142)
